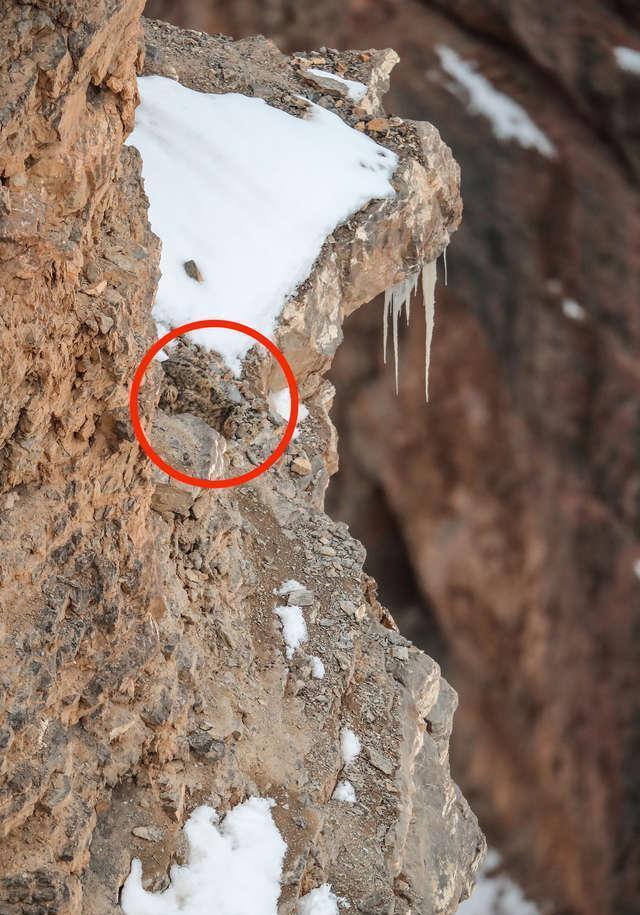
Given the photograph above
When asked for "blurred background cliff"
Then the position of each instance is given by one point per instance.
(502, 520)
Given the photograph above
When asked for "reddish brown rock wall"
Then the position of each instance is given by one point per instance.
(517, 490)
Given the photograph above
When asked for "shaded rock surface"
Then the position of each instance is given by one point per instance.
(143, 670)
(516, 492)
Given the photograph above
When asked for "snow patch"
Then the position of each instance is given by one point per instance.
(294, 627)
(572, 310)
(221, 856)
(628, 59)
(508, 119)
(356, 91)
(249, 193)
(350, 746)
(320, 901)
(280, 404)
(344, 791)
(288, 586)
(496, 894)
(317, 668)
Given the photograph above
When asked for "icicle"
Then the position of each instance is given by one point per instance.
(385, 321)
(395, 299)
(397, 308)
(428, 297)
(444, 258)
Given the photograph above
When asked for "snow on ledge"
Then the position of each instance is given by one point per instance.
(221, 856)
(233, 868)
(356, 91)
(345, 792)
(628, 59)
(350, 746)
(509, 120)
(320, 901)
(248, 193)
(294, 628)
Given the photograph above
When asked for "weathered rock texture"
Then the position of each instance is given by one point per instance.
(516, 492)
(143, 669)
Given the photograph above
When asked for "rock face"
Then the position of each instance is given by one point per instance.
(143, 669)
(516, 492)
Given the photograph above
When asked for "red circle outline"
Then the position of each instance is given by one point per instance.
(135, 412)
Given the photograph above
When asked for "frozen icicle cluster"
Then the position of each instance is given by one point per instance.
(397, 298)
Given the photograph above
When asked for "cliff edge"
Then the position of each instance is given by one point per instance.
(147, 666)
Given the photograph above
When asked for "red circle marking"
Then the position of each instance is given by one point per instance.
(135, 413)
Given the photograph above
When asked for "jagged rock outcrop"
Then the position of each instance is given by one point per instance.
(517, 491)
(143, 669)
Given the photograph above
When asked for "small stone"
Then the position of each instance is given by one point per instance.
(148, 833)
(98, 289)
(92, 272)
(300, 598)
(105, 323)
(401, 652)
(203, 744)
(380, 761)
(360, 126)
(301, 465)
(378, 125)
(326, 550)
(347, 607)
(192, 270)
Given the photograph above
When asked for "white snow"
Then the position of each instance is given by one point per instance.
(355, 90)
(350, 746)
(294, 628)
(496, 894)
(317, 668)
(509, 120)
(222, 856)
(572, 310)
(320, 901)
(636, 568)
(280, 404)
(628, 59)
(344, 791)
(288, 586)
(249, 193)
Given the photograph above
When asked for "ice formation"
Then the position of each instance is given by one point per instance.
(397, 298)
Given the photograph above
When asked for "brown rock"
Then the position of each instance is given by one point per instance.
(125, 628)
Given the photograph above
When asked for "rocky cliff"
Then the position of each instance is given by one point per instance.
(143, 669)
(521, 518)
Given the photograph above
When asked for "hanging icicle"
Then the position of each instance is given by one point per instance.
(398, 297)
(429, 299)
